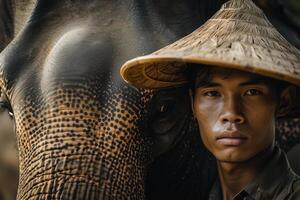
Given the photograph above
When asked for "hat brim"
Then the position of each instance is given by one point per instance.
(137, 71)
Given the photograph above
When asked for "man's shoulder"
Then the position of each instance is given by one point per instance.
(291, 184)
(293, 192)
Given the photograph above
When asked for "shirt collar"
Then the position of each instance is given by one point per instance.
(273, 178)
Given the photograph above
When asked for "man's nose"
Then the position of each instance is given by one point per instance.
(232, 111)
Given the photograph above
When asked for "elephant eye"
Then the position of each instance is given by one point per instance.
(4, 105)
(162, 108)
(165, 107)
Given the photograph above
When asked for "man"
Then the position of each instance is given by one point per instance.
(235, 113)
(244, 75)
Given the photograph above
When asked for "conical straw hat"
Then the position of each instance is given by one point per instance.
(238, 36)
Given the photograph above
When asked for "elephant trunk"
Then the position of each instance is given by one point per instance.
(81, 148)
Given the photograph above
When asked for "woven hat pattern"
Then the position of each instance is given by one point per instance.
(238, 36)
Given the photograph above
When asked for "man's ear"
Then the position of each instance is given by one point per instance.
(286, 101)
(192, 102)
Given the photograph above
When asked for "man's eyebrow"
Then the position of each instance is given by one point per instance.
(207, 84)
(254, 81)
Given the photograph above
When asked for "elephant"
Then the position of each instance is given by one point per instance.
(83, 133)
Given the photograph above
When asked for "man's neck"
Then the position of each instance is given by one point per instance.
(235, 176)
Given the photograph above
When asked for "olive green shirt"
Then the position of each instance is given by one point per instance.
(277, 181)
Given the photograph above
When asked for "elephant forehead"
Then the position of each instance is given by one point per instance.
(78, 103)
(76, 54)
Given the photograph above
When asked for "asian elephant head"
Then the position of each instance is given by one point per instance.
(82, 132)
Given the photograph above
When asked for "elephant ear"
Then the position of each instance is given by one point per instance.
(183, 168)
(169, 112)
(186, 171)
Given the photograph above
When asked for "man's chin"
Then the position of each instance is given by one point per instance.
(232, 161)
(233, 157)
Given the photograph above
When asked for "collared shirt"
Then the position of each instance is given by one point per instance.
(277, 181)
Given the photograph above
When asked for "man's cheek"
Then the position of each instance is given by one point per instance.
(263, 122)
(207, 127)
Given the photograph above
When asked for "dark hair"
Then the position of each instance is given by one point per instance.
(193, 71)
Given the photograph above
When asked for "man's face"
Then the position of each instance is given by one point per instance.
(236, 114)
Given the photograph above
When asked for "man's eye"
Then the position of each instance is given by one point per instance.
(212, 94)
(253, 92)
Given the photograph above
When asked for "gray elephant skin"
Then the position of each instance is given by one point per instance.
(83, 133)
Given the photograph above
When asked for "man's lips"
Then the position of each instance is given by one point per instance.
(231, 138)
